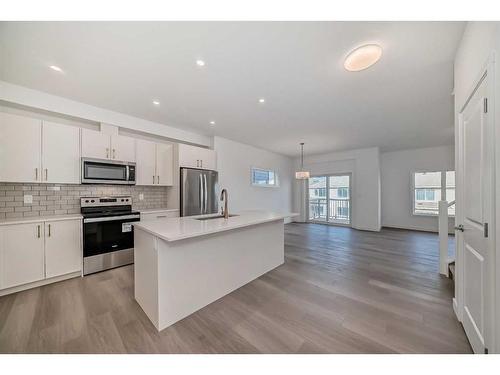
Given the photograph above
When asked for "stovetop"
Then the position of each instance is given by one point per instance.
(106, 206)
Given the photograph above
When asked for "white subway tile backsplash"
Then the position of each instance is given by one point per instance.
(67, 200)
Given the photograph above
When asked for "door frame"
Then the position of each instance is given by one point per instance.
(327, 200)
(492, 340)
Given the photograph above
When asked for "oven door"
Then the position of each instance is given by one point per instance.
(103, 235)
(96, 171)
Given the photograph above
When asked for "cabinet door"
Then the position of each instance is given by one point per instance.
(208, 159)
(60, 153)
(148, 216)
(164, 164)
(20, 146)
(63, 253)
(145, 163)
(95, 144)
(189, 156)
(21, 254)
(122, 148)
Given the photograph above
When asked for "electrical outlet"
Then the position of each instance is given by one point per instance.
(141, 197)
(28, 199)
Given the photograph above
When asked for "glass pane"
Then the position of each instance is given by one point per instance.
(428, 180)
(427, 192)
(317, 198)
(450, 179)
(99, 171)
(263, 177)
(339, 199)
(450, 191)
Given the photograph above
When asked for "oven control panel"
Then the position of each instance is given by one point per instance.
(105, 201)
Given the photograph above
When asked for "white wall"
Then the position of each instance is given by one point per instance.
(364, 165)
(480, 41)
(234, 161)
(396, 175)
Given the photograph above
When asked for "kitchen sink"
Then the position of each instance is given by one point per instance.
(213, 217)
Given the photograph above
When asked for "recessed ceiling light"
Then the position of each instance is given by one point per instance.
(156, 102)
(212, 122)
(200, 62)
(262, 100)
(56, 68)
(362, 57)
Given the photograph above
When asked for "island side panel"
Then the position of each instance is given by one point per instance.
(196, 272)
(146, 273)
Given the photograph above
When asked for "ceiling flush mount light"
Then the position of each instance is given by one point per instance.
(56, 68)
(262, 100)
(363, 57)
(302, 174)
(212, 122)
(200, 62)
(156, 102)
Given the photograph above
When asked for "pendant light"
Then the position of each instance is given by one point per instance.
(302, 174)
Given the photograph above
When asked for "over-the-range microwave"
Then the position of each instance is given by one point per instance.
(102, 171)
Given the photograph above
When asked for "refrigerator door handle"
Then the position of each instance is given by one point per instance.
(206, 193)
(200, 193)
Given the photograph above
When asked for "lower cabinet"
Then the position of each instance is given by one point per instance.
(63, 253)
(36, 251)
(21, 254)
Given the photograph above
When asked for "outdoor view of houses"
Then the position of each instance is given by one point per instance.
(329, 199)
(430, 188)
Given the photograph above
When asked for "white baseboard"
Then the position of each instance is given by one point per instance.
(35, 284)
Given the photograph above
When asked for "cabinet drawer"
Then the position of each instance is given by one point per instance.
(158, 215)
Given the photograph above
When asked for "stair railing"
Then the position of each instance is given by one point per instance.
(444, 261)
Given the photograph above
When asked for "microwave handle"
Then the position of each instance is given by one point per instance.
(128, 173)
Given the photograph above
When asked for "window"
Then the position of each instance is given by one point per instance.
(264, 177)
(343, 192)
(431, 187)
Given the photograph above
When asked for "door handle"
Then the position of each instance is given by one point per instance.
(460, 228)
(107, 152)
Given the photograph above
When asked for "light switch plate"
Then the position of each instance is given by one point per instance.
(141, 197)
(28, 199)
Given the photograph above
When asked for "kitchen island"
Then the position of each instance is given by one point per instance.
(183, 264)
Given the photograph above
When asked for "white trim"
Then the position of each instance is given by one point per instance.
(36, 99)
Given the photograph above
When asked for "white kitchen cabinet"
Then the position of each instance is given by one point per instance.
(20, 148)
(154, 163)
(197, 157)
(122, 148)
(155, 215)
(95, 144)
(164, 164)
(21, 254)
(99, 145)
(63, 253)
(60, 153)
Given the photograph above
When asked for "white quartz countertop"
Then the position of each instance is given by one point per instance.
(179, 228)
(156, 210)
(37, 219)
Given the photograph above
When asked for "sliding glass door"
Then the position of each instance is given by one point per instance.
(329, 199)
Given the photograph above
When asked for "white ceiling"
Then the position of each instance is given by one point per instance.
(403, 101)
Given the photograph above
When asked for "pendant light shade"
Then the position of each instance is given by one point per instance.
(302, 174)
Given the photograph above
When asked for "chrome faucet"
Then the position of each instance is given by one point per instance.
(224, 211)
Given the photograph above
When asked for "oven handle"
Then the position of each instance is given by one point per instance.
(110, 218)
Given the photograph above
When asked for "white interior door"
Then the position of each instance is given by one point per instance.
(476, 162)
(60, 153)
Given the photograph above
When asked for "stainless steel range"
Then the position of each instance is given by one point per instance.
(108, 236)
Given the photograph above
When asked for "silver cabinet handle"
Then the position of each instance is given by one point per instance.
(38, 231)
(201, 163)
(114, 157)
(49, 230)
(36, 174)
(158, 178)
(153, 179)
(159, 217)
(197, 163)
(107, 153)
(46, 174)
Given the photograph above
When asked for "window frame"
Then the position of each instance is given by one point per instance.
(443, 190)
(276, 177)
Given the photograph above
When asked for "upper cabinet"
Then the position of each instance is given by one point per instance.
(60, 153)
(197, 157)
(20, 148)
(154, 163)
(32, 150)
(99, 145)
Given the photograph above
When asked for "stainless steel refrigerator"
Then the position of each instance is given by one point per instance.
(199, 192)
